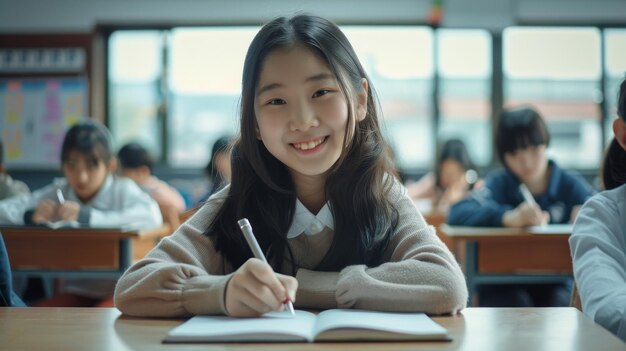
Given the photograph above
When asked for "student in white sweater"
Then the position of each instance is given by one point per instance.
(89, 194)
(312, 173)
(598, 242)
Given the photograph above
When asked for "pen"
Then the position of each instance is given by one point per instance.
(60, 197)
(528, 197)
(246, 229)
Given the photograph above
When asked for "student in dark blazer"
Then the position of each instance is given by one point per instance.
(522, 139)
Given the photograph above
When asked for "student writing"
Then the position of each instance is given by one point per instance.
(311, 173)
(522, 138)
(598, 241)
(92, 195)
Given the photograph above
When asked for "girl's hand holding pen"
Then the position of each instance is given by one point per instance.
(45, 211)
(50, 211)
(68, 211)
(255, 289)
(524, 215)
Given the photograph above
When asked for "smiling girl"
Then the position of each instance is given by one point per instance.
(312, 173)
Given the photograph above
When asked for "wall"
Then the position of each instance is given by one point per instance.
(81, 15)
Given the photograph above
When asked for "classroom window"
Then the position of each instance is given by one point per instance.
(399, 61)
(558, 71)
(615, 70)
(135, 92)
(205, 84)
(465, 72)
(172, 91)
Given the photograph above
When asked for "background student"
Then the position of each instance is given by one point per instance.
(312, 175)
(91, 195)
(218, 169)
(452, 180)
(9, 187)
(522, 138)
(136, 164)
(598, 242)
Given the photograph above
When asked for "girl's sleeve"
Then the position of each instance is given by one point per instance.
(599, 257)
(481, 208)
(420, 275)
(132, 207)
(181, 276)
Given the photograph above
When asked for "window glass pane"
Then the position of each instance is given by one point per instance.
(465, 67)
(557, 71)
(399, 61)
(206, 65)
(615, 66)
(133, 78)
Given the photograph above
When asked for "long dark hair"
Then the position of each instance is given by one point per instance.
(614, 167)
(453, 149)
(357, 185)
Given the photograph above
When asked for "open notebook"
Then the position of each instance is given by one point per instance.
(62, 224)
(551, 229)
(330, 325)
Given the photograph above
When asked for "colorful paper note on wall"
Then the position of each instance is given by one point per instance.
(35, 113)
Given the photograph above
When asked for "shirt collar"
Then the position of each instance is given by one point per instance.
(309, 224)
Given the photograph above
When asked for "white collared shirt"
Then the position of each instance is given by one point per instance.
(119, 202)
(309, 224)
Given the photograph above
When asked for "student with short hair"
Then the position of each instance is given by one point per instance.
(136, 164)
(90, 195)
(9, 187)
(598, 241)
(312, 175)
(522, 138)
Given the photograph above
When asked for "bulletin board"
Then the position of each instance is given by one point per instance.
(35, 113)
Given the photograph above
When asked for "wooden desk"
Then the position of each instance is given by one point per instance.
(509, 255)
(514, 329)
(76, 252)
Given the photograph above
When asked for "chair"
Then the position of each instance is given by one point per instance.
(575, 298)
(8, 298)
(188, 214)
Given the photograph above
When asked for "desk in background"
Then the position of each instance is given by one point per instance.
(512, 329)
(76, 252)
(509, 255)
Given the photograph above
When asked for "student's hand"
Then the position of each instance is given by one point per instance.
(68, 211)
(454, 193)
(255, 289)
(525, 215)
(45, 211)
